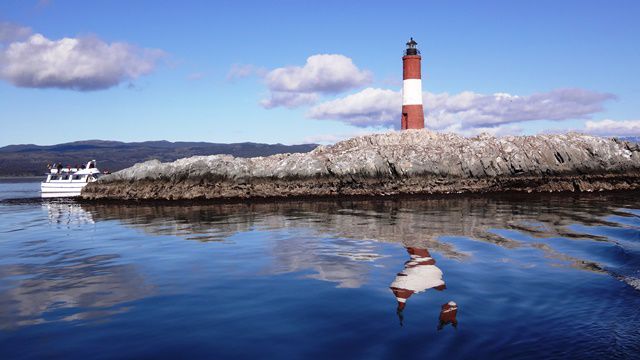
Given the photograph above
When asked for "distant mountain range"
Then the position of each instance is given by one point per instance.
(635, 139)
(31, 160)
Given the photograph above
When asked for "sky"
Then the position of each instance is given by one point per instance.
(312, 71)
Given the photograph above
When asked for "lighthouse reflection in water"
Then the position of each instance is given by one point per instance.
(420, 274)
(311, 279)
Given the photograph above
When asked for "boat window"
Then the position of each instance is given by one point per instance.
(76, 177)
(65, 177)
(53, 177)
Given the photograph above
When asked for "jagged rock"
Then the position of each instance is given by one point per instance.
(394, 163)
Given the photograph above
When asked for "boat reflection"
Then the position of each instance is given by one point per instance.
(67, 213)
(420, 274)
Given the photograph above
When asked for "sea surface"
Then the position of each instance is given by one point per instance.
(493, 276)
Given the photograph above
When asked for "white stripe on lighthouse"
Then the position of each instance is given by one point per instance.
(412, 92)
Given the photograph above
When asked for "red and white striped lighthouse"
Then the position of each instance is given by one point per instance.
(412, 111)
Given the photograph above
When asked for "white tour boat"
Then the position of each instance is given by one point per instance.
(64, 182)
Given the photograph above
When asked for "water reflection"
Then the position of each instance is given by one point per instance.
(448, 313)
(51, 278)
(344, 262)
(412, 223)
(71, 286)
(67, 213)
(420, 273)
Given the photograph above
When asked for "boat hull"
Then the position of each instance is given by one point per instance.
(49, 190)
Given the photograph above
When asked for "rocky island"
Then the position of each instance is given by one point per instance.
(409, 162)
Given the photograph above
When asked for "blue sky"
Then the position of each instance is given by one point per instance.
(204, 70)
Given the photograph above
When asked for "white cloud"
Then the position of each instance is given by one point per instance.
(330, 73)
(288, 99)
(85, 63)
(11, 32)
(369, 107)
(613, 127)
(464, 111)
(321, 74)
(478, 110)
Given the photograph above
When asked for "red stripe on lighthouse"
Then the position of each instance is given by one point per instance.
(411, 67)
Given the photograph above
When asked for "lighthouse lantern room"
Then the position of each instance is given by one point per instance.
(412, 110)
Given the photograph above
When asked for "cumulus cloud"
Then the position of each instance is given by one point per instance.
(613, 127)
(288, 99)
(321, 74)
(85, 63)
(463, 111)
(478, 110)
(329, 73)
(369, 107)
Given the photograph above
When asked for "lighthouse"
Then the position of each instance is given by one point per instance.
(412, 111)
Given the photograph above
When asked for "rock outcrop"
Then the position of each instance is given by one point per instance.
(395, 163)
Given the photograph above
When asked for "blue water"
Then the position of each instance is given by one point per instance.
(537, 276)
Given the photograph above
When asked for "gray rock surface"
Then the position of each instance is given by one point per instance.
(394, 163)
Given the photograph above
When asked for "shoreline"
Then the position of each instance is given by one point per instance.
(506, 195)
(410, 162)
(573, 185)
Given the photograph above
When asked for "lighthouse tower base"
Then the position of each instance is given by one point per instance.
(412, 117)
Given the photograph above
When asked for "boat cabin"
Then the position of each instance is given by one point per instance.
(83, 174)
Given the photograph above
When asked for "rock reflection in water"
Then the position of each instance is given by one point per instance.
(510, 222)
(418, 223)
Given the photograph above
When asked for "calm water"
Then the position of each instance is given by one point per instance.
(531, 277)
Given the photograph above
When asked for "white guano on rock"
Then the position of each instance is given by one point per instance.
(394, 158)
